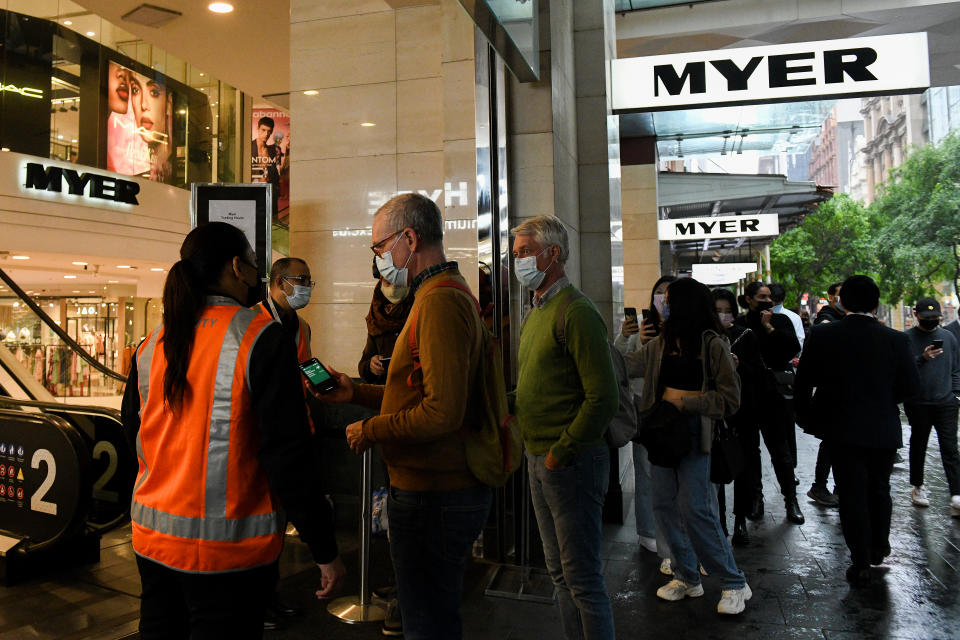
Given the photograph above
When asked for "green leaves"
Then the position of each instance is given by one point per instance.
(905, 239)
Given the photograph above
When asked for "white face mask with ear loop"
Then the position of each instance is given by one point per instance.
(389, 271)
(300, 297)
(526, 270)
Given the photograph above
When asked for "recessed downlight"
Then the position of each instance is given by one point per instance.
(68, 277)
(68, 22)
(124, 266)
(20, 257)
(91, 33)
(156, 269)
(310, 92)
(368, 124)
(79, 264)
(220, 7)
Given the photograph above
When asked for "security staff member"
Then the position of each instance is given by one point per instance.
(215, 402)
(290, 288)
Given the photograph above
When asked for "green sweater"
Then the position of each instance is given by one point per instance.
(565, 397)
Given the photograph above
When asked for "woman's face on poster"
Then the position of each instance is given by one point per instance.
(149, 99)
(118, 88)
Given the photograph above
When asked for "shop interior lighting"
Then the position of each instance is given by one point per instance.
(310, 92)
(124, 266)
(68, 22)
(91, 33)
(156, 269)
(4, 148)
(368, 124)
(68, 277)
(113, 281)
(79, 264)
(220, 7)
(20, 257)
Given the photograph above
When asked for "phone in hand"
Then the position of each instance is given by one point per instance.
(318, 375)
(630, 314)
(938, 344)
(646, 314)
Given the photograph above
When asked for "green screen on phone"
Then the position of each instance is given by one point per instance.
(315, 373)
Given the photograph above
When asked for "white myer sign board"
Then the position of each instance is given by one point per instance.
(715, 228)
(722, 273)
(855, 66)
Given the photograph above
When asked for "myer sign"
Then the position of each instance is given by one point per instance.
(715, 228)
(856, 66)
(86, 184)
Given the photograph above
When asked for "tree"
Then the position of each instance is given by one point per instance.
(831, 244)
(917, 217)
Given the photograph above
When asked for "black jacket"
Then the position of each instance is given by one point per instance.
(861, 371)
(778, 347)
(826, 315)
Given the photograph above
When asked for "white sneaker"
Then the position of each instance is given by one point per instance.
(955, 506)
(919, 497)
(678, 590)
(734, 601)
(650, 544)
(703, 571)
(665, 567)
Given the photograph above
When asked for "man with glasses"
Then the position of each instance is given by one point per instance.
(290, 288)
(437, 507)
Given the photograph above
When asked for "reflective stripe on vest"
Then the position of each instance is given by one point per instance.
(302, 338)
(178, 540)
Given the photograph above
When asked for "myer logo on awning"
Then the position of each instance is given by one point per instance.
(91, 185)
(764, 224)
(855, 66)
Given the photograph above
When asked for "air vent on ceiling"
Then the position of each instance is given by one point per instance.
(150, 15)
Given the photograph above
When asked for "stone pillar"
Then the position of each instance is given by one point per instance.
(641, 248)
(393, 111)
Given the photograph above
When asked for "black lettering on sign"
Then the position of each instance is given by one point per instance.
(834, 65)
(749, 225)
(76, 182)
(737, 78)
(708, 228)
(696, 72)
(685, 228)
(49, 179)
(780, 70)
(103, 187)
(728, 226)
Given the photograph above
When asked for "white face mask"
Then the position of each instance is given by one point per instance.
(300, 297)
(726, 319)
(658, 299)
(527, 272)
(392, 293)
(389, 271)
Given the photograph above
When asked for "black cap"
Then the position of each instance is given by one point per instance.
(927, 308)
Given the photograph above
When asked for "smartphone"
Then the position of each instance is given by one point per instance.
(938, 344)
(646, 314)
(630, 313)
(385, 359)
(318, 375)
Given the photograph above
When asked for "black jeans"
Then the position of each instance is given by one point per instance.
(822, 470)
(776, 424)
(943, 418)
(175, 604)
(863, 476)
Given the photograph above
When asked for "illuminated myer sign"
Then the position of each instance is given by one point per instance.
(100, 186)
(856, 66)
(715, 228)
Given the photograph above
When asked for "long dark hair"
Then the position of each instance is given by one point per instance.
(692, 311)
(654, 315)
(203, 255)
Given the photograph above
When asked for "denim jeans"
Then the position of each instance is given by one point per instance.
(568, 504)
(642, 501)
(685, 507)
(431, 533)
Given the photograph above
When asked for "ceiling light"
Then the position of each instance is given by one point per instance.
(4, 148)
(59, 137)
(182, 111)
(68, 22)
(113, 281)
(310, 92)
(124, 266)
(156, 269)
(70, 277)
(76, 291)
(80, 264)
(91, 33)
(91, 291)
(368, 124)
(201, 74)
(20, 257)
(74, 140)
(220, 7)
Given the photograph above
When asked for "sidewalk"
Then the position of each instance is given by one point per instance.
(796, 574)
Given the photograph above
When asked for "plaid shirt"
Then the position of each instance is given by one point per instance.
(431, 271)
(554, 289)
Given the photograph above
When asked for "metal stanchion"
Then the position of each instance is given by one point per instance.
(354, 609)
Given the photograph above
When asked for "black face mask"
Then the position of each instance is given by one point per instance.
(929, 323)
(764, 305)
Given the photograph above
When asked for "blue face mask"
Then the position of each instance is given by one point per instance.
(300, 297)
(389, 271)
(665, 312)
(527, 272)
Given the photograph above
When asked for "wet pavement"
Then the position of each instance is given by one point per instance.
(796, 574)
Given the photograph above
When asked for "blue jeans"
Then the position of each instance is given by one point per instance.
(568, 504)
(643, 500)
(431, 533)
(685, 507)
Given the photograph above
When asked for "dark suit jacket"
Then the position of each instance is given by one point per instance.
(861, 371)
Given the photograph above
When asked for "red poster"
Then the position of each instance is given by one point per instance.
(270, 157)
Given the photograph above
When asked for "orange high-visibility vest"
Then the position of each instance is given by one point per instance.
(303, 345)
(201, 502)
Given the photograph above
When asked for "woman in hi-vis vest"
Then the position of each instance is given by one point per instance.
(215, 401)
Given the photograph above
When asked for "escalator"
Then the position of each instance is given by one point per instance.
(66, 470)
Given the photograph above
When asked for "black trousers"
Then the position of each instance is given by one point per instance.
(822, 471)
(863, 476)
(943, 418)
(175, 604)
(776, 423)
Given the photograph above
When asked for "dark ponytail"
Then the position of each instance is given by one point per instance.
(203, 255)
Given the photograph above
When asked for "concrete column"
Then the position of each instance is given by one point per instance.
(641, 248)
(393, 111)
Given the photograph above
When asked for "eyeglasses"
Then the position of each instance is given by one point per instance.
(377, 247)
(303, 281)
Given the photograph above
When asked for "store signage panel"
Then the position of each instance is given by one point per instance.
(715, 228)
(86, 184)
(722, 273)
(854, 66)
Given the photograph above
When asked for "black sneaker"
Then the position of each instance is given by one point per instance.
(822, 496)
(392, 624)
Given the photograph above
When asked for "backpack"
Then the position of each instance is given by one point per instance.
(494, 447)
(623, 426)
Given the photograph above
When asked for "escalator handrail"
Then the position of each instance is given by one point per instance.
(61, 407)
(63, 335)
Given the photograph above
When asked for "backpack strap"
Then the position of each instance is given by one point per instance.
(412, 345)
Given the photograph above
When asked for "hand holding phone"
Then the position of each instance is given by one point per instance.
(630, 325)
(938, 344)
(318, 376)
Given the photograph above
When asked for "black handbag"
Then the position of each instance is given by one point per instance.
(726, 454)
(665, 433)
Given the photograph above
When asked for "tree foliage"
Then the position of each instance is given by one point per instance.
(908, 239)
